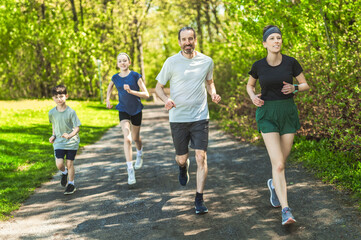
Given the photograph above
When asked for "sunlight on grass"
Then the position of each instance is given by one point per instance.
(26, 156)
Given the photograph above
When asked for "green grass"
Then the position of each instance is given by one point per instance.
(337, 167)
(26, 156)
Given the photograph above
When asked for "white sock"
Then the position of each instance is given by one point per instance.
(130, 165)
(71, 182)
(65, 172)
(139, 152)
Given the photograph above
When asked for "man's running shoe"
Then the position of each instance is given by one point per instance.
(287, 217)
(200, 206)
(183, 174)
(273, 199)
(70, 189)
(131, 176)
(138, 162)
(64, 179)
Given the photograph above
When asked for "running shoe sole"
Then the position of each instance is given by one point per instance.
(201, 212)
(69, 193)
(289, 221)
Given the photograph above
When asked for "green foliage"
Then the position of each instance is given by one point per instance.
(26, 156)
(339, 168)
(324, 36)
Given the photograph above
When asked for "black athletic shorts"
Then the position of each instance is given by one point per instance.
(195, 132)
(70, 154)
(136, 120)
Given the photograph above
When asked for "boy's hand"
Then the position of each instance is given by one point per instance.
(65, 135)
(52, 139)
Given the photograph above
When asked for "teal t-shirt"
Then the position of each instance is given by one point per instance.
(64, 122)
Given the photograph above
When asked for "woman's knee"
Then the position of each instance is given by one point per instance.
(279, 167)
(128, 139)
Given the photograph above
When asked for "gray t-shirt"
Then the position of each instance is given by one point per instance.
(64, 122)
(187, 86)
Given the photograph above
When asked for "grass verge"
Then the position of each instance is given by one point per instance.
(26, 156)
(335, 167)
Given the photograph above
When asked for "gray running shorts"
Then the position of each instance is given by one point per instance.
(195, 132)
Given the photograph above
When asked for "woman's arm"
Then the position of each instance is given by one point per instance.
(143, 93)
(302, 85)
(251, 88)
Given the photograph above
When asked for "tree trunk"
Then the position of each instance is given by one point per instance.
(75, 17)
(199, 26)
(140, 56)
(81, 12)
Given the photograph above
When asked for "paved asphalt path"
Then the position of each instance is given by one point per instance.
(157, 207)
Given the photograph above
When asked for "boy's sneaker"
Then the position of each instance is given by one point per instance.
(138, 162)
(287, 217)
(70, 189)
(183, 174)
(200, 206)
(64, 179)
(273, 199)
(131, 176)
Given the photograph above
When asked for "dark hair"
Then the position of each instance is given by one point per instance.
(184, 29)
(268, 27)
(60, 89)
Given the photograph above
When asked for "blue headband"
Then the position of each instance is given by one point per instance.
(270, 31)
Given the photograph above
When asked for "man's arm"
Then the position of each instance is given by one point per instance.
(211, 89)
(159, 89)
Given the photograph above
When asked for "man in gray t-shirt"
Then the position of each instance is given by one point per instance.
(190, 74)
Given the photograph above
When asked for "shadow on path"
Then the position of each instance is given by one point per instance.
(157, 207)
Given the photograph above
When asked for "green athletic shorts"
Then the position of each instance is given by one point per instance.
(278, 116)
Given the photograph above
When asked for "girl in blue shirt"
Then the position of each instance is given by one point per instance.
(131, 88)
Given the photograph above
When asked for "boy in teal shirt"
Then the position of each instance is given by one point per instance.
(65, 137)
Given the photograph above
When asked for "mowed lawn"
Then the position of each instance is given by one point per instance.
(26, 156)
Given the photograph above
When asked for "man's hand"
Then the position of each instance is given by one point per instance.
(169, 104)
(66, 135)
(216, 98)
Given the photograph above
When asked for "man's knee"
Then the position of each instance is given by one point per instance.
(201, 157)
(181, 159)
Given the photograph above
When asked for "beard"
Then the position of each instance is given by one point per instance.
(188, 50)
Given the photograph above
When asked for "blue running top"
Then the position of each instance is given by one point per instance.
(128, 102)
